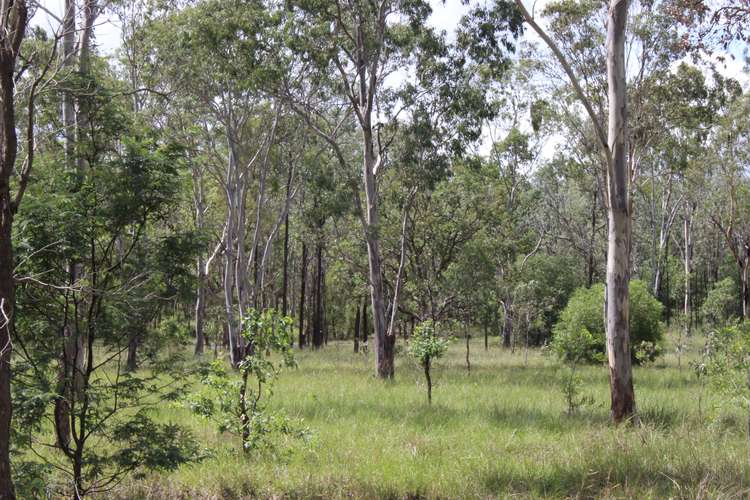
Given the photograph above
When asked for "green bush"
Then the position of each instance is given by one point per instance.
(726, 363)
(721, 303)
(585, 312)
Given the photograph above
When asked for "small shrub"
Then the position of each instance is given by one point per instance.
(425, 347)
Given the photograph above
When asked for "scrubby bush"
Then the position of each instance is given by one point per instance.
(720, 304)
(726, 363)
(585, 311)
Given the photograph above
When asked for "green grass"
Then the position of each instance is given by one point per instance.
(500, 431)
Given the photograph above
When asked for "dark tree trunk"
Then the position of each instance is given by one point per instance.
(468, 362)
(486, 336)
(426, 366)
(507, 324)
(132, 362)
(303, 279)
(11, 41)
(365, 327)
(7, 298)
(317, 337)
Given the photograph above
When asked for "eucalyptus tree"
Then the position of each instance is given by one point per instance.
(730, 215)
(229, 66)
(614, 149)
(344, 54)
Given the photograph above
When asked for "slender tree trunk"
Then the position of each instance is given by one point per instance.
(303, 278)
(8, 151)
(486, 336)
(468, 361)
(356, 330)
(384, 346)
(200, 309)
(317, 338)
(132, 362)
(7, 299)
(619, 231)
(592, 243)
(365, 326)
(745, 270)
(426, 366)
(688, 264)
(285, 273)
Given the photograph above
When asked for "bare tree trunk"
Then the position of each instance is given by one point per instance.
(486, 336)
(688, 267)
(199, 206)
(356, 330)
(384, 346)
(132, 363)
(618, 249)
(507, 323)
(426, 366)
(317, 337)
(285, 278)
(592, 244)
(15, 20)
(303, 278)
(200, 308)
(365, 326)
(7, 299)
(468, 337)
(745, 286)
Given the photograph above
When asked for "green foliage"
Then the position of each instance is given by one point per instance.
(726, 363)
(238, 406)
(585, 311)
(576, 346)
(720, 305)
(426, 345)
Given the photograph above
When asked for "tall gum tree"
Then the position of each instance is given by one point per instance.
(614, 148)
(345, 52)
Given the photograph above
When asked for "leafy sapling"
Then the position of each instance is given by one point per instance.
(572, 348)
(240, 406)
(425, 347)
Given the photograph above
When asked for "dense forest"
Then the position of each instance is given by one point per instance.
(346, 249)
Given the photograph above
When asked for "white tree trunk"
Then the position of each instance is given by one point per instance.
(618, 249)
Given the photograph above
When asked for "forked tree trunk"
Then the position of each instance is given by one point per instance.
(619, 231)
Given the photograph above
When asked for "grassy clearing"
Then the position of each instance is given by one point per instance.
(500, 431)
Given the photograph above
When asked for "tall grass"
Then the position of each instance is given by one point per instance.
(499, 431)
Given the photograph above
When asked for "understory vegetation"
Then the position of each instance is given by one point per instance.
(501, 430)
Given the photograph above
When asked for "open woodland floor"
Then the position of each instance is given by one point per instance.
(500, 431)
